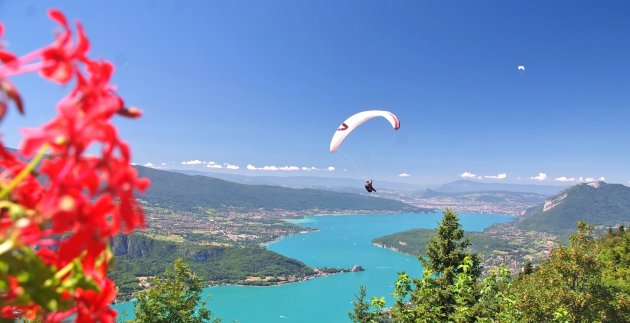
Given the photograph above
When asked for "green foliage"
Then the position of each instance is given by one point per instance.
(364, 311)
(446, 251)
(465, 291)
(39, 282)
(447, 289)
(571, 285)
(496, 302)
(185, 192)
(586, 281)
(174, 296)
(615, 254)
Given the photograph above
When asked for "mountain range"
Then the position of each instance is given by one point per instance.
(355, 185)
(315, 182)
(596, 203)
(188, 192)
(468, 186)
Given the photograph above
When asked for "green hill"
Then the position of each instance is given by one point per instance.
(186, 192)
(137, 255)
(415, 241)
(597, 203)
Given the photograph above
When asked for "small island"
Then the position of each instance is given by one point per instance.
(279, 280)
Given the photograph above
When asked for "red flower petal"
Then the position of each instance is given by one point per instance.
(59, 18)
(8, 58)
(83, 44)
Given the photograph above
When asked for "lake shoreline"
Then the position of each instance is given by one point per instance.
(341, 241)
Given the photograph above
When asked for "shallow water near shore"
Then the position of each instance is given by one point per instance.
(342, 241)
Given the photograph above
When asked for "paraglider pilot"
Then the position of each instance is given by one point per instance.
(368, 186)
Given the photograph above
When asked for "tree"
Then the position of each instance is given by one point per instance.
(362, 309)
(174, 296)
(528, 268)
(496, 303)
(440, 293)
(447, 250)
(569, 285)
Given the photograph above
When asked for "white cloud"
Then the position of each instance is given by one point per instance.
(230, 166)
(498, 176)
(602, 178)
(215, 166)
(469, 175)
(192, 162)
(590, 179)
(541, 177)
(289, 168)
(285, 168)
(163, 164)
(404, 175)
(149, 165)
(133, 164)
(564, 179)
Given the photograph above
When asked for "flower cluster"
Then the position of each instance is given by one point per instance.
(68, 189)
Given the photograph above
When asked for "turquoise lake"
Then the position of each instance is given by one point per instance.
(342, 241)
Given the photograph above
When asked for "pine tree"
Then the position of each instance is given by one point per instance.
(447, 250)
(174, 296)
(434, 296)
(362, 309)
(445, 253)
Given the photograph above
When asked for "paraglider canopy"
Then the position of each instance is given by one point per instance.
(520, 68)
(356, 120)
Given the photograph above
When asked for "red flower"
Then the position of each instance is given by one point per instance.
(8, 312)
(14, 289)
(93, 306)
(75, 203)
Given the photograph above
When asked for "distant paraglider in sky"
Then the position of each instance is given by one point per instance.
(521, 68)
(356, 120)
(353, 122)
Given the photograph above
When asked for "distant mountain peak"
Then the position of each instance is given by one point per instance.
(470, 186)
(596, 184)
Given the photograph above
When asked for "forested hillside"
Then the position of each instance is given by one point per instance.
(137, 255)
(185, 192)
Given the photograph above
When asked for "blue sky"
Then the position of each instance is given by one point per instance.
(266, 83)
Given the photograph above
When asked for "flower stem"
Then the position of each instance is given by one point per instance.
(27, 170)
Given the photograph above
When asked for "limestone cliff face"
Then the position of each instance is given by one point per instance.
(137, 246)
